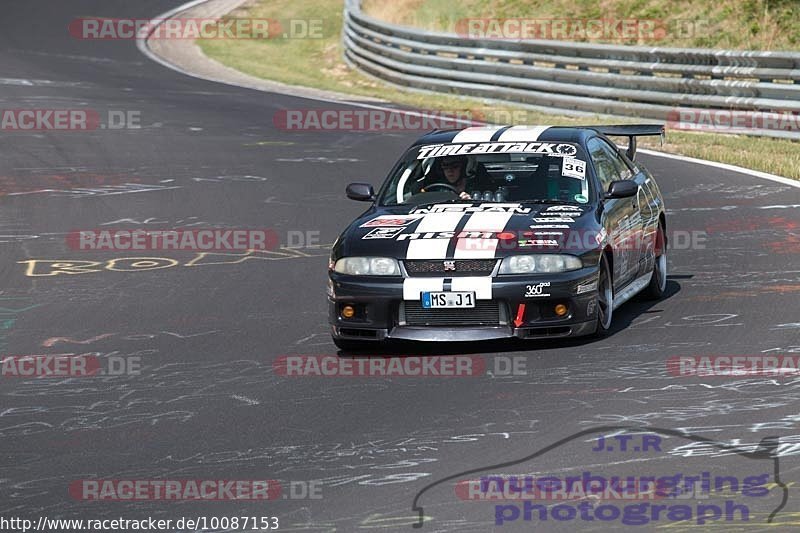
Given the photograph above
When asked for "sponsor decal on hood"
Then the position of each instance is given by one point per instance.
(390, 221)
(516, 209)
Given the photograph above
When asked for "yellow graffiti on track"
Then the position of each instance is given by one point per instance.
(54, 267)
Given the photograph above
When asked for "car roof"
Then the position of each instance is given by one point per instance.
(478, 134)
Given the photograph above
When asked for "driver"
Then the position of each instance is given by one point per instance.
(454, 170)
(456, 174)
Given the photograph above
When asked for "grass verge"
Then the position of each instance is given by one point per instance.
(318, 63)
(724, 24)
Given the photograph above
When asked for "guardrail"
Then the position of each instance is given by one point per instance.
(760, 90)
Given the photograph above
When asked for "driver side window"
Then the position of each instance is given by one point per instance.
(607, 164)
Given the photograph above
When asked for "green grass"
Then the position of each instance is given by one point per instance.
(318, 63)
(729, 24)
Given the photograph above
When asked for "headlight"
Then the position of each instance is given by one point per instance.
(539, 264)
(367, 266)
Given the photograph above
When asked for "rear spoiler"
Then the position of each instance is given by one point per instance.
(631, 132)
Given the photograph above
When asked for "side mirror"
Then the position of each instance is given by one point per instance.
(362, 192)
(622, 189)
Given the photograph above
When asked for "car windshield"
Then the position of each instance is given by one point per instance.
(489, 172)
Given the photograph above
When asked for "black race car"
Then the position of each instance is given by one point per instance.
(492, 232)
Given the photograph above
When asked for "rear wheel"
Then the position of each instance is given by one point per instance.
(658, 283)
(605, 299)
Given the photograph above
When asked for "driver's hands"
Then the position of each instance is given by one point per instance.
(464, 196)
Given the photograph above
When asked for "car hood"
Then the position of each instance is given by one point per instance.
(467, 231)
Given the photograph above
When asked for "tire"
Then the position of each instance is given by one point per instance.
(658, 283)
(605, 299)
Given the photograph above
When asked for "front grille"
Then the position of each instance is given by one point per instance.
(350, 332)
(485, 313)
(463, 267)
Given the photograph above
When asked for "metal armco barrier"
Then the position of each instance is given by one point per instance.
(758, 90)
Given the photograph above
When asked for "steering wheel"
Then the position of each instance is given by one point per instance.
(442, 186)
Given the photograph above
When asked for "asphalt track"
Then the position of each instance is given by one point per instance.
(207, 403)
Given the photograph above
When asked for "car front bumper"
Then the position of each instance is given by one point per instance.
(512, 310)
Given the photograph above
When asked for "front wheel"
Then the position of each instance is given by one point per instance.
(605, 299)
(658, 283)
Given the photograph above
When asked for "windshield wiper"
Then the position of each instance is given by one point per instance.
(453, 201)
(549, 201)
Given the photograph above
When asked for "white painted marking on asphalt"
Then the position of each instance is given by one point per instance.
(245, 399)
(724, 166)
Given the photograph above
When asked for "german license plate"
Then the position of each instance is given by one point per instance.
(437, 300)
